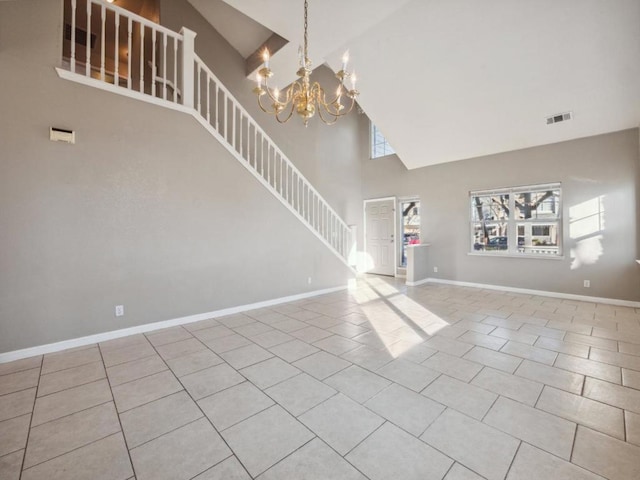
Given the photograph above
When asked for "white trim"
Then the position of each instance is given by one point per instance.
(149, 327)
(95, 83)
(272, 190)
(538, 256)
(399, 218)
(512, 222)
(419, 282)
(528, 291)
(518, 189)
(395, 226)
(92, 82)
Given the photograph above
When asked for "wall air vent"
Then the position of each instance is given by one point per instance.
(559, 117)
(81, 36)
(62, 135)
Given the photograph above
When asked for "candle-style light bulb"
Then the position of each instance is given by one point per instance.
(345, 60)
(265, 58)
(276, 94)
(353, 81)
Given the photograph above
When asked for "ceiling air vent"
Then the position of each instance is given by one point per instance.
(559, 117)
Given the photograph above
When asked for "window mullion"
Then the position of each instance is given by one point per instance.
(512, 226)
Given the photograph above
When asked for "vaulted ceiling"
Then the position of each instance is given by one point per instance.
(447, 80)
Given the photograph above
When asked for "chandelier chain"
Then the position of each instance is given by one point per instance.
(303, 96)
(306, 53)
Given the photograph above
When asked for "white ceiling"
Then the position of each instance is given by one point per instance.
(447, 80)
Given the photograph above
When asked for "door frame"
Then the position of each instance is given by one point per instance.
(395, 227)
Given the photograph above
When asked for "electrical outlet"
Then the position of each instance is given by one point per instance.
(587, 283)
(309, 280)
(119, 310)
(435, 269)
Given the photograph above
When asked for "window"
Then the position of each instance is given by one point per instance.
(409, 226)
(379, 145)
(522, 220)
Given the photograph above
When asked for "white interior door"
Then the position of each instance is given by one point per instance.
(379, 235)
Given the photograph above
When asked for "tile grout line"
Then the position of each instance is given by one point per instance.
(291, 453)
(74, 450)
(434, 420)
(139, 378)
(514, 458)
(75, 386)
(115, 407)
(445, 454)
(573, 444)
(22, 389)
(33, 409)
(488, 410)
(128, 361)
(544, 385)
(72, 367)
(583, 384)
(69, 414)
(202, 411)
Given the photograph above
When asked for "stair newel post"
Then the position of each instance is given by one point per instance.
(188, 61)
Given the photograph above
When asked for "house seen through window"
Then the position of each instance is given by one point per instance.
(522, 220)
(410, 226)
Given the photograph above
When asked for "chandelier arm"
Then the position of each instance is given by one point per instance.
(324, 120)
(302, 96)
(335, 99)
(334, 108)
(323, 107)
(348, 110)
(336, 116)
(285, 120)
(288, 94)
(271, 112)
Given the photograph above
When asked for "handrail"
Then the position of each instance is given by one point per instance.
(157, 58)
(260, 129)
(151, 57)
(135, 17)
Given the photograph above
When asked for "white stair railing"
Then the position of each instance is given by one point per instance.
(137, 57)
(113, 45)
(252, 146)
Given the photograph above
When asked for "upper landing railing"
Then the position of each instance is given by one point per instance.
(109, 47)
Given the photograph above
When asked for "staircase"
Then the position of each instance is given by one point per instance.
(161, 67)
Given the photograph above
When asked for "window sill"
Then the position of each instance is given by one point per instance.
(516, 255)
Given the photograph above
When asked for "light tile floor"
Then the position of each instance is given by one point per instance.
(381, 382)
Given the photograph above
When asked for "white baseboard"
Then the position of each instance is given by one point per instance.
(149, 327)
(416, 283)
(527, 291)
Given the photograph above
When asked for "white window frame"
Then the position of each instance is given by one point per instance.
(400, 227)
(513, 249)
(387, 148)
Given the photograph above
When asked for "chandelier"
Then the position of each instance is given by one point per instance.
(302, 96)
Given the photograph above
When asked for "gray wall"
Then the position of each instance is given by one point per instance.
(605, 165)
(146, 210)
(328, 156)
